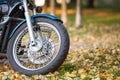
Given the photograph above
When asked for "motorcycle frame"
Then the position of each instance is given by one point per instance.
(9, 23)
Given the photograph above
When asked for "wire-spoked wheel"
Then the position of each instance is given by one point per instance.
(48, 53)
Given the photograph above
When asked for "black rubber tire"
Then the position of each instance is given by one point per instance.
(58, 60)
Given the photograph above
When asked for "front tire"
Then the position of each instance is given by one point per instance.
(51, 56)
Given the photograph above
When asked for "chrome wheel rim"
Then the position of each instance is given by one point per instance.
(32, 60)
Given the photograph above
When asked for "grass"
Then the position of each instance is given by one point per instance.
(106, 20)
(98, 23)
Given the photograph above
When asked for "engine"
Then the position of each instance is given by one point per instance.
(4, 9)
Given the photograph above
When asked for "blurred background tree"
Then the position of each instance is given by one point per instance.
(52, 7)
(78, 13)
(64, 8)
(64, 15)
(90, 3)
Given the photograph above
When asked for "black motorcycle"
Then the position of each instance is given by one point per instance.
(34, 43)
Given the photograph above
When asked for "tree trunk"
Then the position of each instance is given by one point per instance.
(52, 7)
(44, 9)
(78, 14)
(64, 12)
(90, 4)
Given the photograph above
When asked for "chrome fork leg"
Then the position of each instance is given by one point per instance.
(29, 23)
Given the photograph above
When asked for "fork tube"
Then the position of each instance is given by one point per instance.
(28, 19)
(34, 11)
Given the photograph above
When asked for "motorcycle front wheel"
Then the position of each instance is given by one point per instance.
(54, 49)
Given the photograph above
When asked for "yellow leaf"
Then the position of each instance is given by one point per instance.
(36, 77)
(16, 79)
(70, 74)
(80, 71)
(53, 78)
(83, 75)
(5, 77)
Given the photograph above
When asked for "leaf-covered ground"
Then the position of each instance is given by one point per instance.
(94, 52)
(81, 64)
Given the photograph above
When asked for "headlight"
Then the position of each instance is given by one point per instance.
(39, 2)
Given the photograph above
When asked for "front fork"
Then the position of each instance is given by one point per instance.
(29, 23)
(33, 43)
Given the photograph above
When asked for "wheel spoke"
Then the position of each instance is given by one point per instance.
(29, 59)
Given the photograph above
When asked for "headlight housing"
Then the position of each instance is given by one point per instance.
(39, 2)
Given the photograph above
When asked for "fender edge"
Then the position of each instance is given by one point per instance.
(33, 19)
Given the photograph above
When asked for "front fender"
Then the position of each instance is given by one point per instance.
(33, 20)
(46, 16)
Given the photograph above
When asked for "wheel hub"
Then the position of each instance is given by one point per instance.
(39, 56)
(36, 47)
